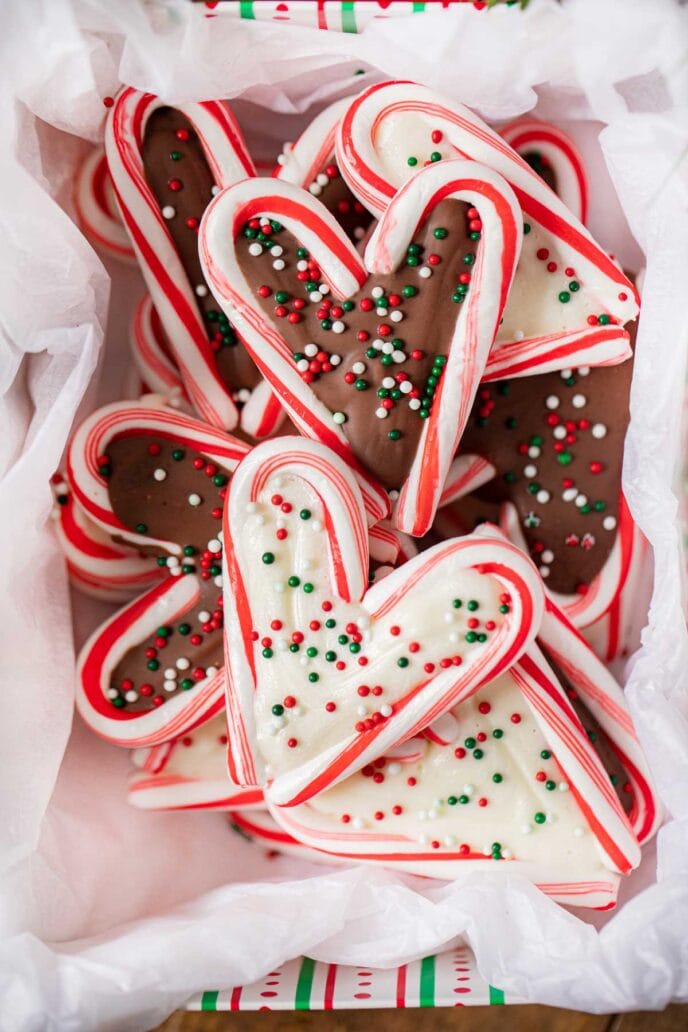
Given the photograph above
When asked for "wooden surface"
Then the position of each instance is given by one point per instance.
(442, 1019)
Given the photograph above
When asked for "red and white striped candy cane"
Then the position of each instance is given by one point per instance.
(172, 294)
(345, 273)
(150, 351)
(296, 557)
(549, 142)
(96, 208)
(569, 300)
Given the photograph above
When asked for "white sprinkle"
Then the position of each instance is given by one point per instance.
(315, 189)
(386, 710)
(377, 292)
(307, 564)
(170, 674)
(363, 622)
(550, 818)
(584, 370)
(544, 571)
(316, 526)
(335, 360)
(217, 581)
(432, 815)
(414, 403)
(338, 326)
(172, 561)
(243, 394)
(260, 520)
(387, 382)
(339, 418)
(526, 829)
(315, 296)
(609, 522)
(381, 413)
(276, 251)
(393, 495)
(201, 290)
(405, 386)
(357, 823)
(281, 644)
(169, 686)
(159, 474)
(176, 571)
(255, 249)
(454, 637)
(519, 335)
(377, 344)
(311, 350)
(131, 696)
(194, 499)
(581, 500)
(281, 159)
(399, 356)
(559, 433)
(183, 663)
(449, 841)
(302, 365)
(599, 431)
(422, 815)
(323, 288)
(112, 693)
(210, 671)
(579, 401)
(323, 179)
(214, 545)
(534, 452)
(448, 617)
(304, 660)
(396, 315)
(578, 832)
(387, 348)
(381, 311)
(214, 190)
(361, 711)
(507, 854)
(278, 264)
(563, 786)
(278, 586)
(547, 556)
(552, 401)
(359, 233)
(569, 494)
(542, 497)
(302, 265)
(468, 789)
(168, 212)
(565, 374)
(423, 840)
(278, 482)
(425, 272)
(393, 768)
(530, 471)
(203, 616)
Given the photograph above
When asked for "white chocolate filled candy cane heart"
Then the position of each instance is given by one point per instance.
(310, 162)
(519, 783)
(150, 350)
(165, 165)
(97, 565)
(323, 675)
(385, 376)
(554, 156)
(569, 301)
(155, 479)
(189, 773)
(96, 209)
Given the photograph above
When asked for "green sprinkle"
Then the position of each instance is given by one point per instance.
(186, 684)
(278, 710)
(311, 651)
(452, 800)
(330, 623)
(473, 605)
(178, 454)
(308, 588)
(305, 514)
(545, 754)
(464, 799)
(457, 603)
(498, 733)
(409, 291)
(268, 558)
(354, 647)
(152, 664)
(470, 743)
(539, 818)
(412, 161)
(526, 228)
(564, 296)
(435, 156)
(141, 528)
(189, 550)
(603, 320)
(330, 656)
(402, 662)
(313, 677)
(394, 435)
(550, 785)
(293, 581)
(267, 653)
(574, 285)
(478, 754)
(497, 778)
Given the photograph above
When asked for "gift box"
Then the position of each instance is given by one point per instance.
(113, 916)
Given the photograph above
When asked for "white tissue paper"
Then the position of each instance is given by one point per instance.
(109, 917)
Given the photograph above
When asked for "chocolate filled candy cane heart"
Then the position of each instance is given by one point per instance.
(508, 775)
(370, 358)
(569, 302)
(324, 676)
(155, 479)
(310, 162)
(166, 163)
(189, 773)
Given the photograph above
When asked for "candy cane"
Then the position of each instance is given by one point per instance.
(96, 208)
(530, 136)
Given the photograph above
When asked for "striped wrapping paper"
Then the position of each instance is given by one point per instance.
(336, 15)
(448, 979)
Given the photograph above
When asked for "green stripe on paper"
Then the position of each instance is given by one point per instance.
(427, 982)
(419, 6)
(304, 985)
(209, 1001)
(348, 17)
(496, 997)
(246, 9)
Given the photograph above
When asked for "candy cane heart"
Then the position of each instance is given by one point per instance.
(310, 162)
(569, 301)
(155, 479)
(189, 773)
(97, 565)
(376, 363)
(554, 156)
(324, 675)
(518, 783)
(165, 165)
